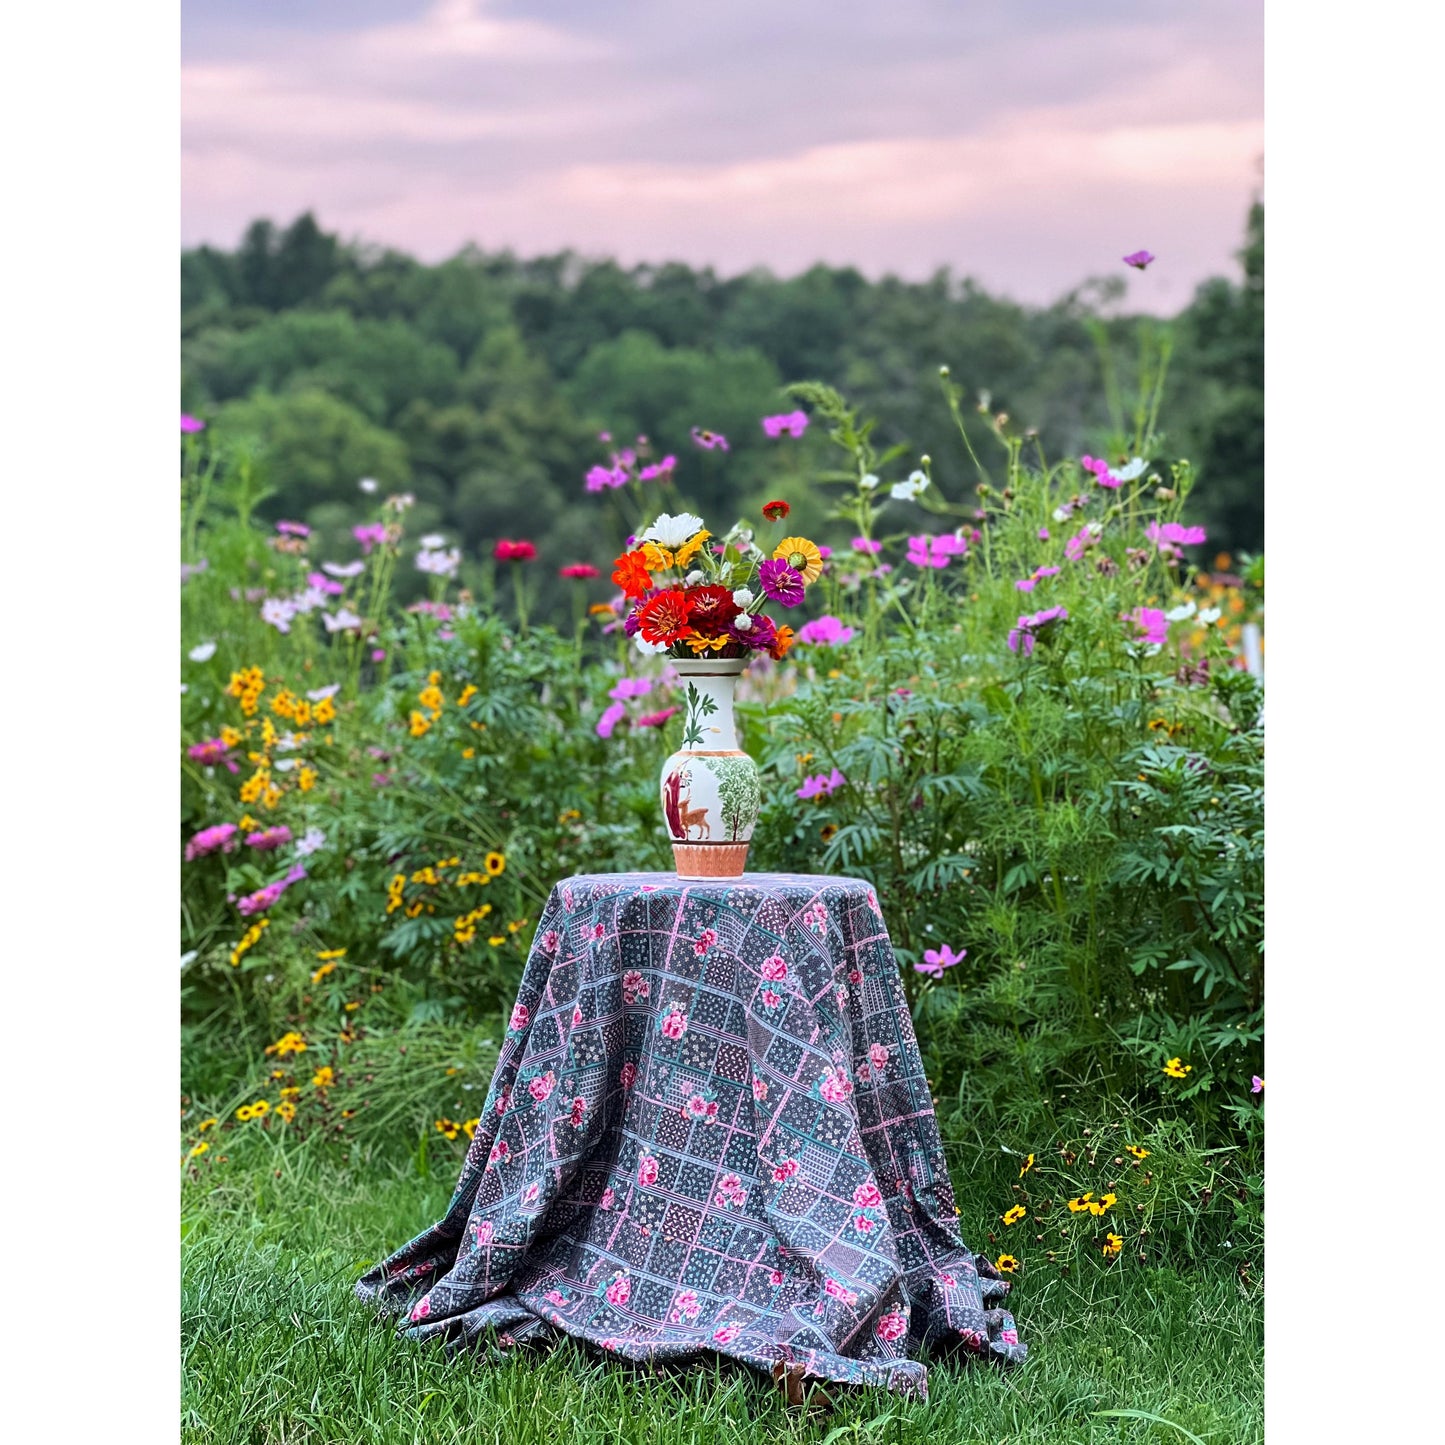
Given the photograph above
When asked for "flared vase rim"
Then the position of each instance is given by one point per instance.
(710, 666)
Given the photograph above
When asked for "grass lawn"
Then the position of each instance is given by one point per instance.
(278, 1352)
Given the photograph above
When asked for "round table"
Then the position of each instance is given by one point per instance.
(708, 1130)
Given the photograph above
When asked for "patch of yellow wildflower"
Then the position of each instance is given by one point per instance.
(289, 1043)
(253, 1111)
(249, 939)
(324, 1077)
(247, 686)
(1113, 1243)
(1177, 1070)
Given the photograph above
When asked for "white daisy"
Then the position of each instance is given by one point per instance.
(671, 532)
(203, 653)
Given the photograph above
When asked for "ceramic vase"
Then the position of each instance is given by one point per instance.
(710, 791)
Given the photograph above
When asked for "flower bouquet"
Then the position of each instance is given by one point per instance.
(701, 601)
(692, 596)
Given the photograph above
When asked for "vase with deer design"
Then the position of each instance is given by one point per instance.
(710, 793)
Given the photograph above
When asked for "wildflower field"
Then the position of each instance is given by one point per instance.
(1012, 698)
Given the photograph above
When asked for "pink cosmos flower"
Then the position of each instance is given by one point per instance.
(322, 583)
(1176, 533)
(581, 571)
(710, 440)
(1256, 1084)
(269, 838)
(293, 529)
(628, 1075)
(866, 544)
(656, 719)
(600, 478)
(1151, 625)
(191, 423)
(620, 1290)
(658, 471)
(867, 1195)
(781, 582)
(219, 837)
(821, 785)
(774, 968)
(607, 724)
(1139, 259)
(893, 1326)
(630, 687)
(793, 424)
(1102, 475)
(935, 960)
(647, 1170)
(521, 1017)
(825, 632)
(928, 551)
(484, 1231)
(675, 1024)
(542, 1086)
(263, 898)
(1022, 634)
(369, 534)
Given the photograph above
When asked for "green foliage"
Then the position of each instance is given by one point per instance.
(495, 373)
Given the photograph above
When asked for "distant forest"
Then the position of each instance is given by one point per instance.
(480, 384)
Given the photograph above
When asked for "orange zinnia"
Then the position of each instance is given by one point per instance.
(631, 575)
(781, 643)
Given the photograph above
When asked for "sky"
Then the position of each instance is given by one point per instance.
(1029, 144)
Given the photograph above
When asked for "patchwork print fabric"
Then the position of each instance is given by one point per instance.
(708, 1130)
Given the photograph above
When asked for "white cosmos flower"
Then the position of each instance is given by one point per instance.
(185, 688)
(1210, 614)
(278, 611)
(284, 765)
(1133, 471)
(440, 564)
(349, 569)
(189, 957)
(743, 596)
(203, 653)
(310, 841)
(432, 540)
(341, 621)
(287, 743)
(309, 600)
(649, 649)
(320, 694)
(671, 532)
(692, 578)
(869, 482)
(1183, 612)
(368, 484)
(908, 489)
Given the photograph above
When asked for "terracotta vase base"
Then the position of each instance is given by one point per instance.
(710, 860)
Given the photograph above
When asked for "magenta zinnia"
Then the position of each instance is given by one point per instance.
(220, 837)
(781, 582)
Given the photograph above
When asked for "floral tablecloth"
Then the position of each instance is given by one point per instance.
(708, 1130)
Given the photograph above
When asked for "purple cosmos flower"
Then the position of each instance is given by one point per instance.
(821, 785)
(263, 898)
(825, 632)
(1082, 540)
(293, 529)
(929, 551)
(269, 838)
(369, 534)
(1256, 1084)
(1043, 534)
(220, 837)
(656, 719)
(1139, 259)
(1151, 623)
(793, 424)
(600, 478)
(658, 471)
(191, 423)
(1174, 533)
(710, 440)
(607, 723)
(865, 544)
(630, 687)
(1022, 634)
(935, 960)
(781, 582)
(323, 583)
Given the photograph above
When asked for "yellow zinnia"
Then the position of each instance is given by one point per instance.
(691, 547)
(802, 556)
(655, 558)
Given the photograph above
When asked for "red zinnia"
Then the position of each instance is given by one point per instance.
(506, 551)
(631, 574)
(582, 570)
(711, 608)
(663, 618)
(776, 511)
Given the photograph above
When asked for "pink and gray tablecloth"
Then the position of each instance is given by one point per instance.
(708, 1130)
